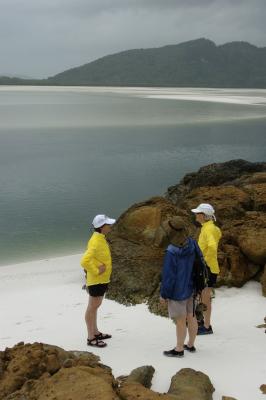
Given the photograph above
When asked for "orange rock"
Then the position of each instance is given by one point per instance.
(263, 389)
(263, 282)
(236, 189)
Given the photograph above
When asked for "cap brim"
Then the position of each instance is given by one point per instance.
(196, 211)
(110, 221)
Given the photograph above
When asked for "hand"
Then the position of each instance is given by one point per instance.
(102, 269)
(163, 301)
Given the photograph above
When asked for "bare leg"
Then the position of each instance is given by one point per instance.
(206, 299)
(181, 332)
(192, 329)
(91, 315)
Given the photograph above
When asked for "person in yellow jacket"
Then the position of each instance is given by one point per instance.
(208, 242)
(97, 263)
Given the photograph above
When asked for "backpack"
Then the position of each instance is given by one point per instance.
(200, 273)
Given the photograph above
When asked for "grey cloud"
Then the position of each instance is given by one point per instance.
(94, 7)
(44, 37)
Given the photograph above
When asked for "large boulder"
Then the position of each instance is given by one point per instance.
(263, 282)
(138, 240)
(136, 391)
(263, 388)
(228, 398)
(216, 174)
(228, 201)
(142, 375)
(140, 223)
(182, 389)
(250, 237)
(38, 371)
(76, 383)
(255, 186)
(235, 269)
(137, 385)
(27, 362)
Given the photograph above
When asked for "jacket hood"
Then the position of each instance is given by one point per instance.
(188, 248)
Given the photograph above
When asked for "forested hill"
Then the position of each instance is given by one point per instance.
(198, 63)
(195, 63)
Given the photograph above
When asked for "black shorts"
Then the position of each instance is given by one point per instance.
(212, 278)
(97, 290)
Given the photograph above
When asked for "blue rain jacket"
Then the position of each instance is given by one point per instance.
(178, 263)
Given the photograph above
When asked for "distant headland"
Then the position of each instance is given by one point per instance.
(196, 63)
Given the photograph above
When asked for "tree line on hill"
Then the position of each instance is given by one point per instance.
(197, 63)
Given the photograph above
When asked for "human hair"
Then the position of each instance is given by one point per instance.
(99, 230)
(209, 217)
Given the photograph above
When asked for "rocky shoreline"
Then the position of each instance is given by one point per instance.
(40, 371)
(43, 372)
(237, 190)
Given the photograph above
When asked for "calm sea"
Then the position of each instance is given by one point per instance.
(68, 154)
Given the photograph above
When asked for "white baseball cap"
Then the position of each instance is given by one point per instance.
(204, 208)
(101, 219)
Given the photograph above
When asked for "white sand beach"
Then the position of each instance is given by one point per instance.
(43, 301)
(213, 95)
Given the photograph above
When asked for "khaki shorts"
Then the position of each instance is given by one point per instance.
(178, 309)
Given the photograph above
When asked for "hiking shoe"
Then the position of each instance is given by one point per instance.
(204, 331)
(191, 349)
(200, 322)
(174, 353)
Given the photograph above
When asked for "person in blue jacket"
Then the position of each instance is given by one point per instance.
(177, 285)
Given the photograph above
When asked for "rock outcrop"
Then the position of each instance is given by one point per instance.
(263, 389)
(38, 371)
(228, 398)
(236, 189)
(43, 372)
(137, 250)
(263, 282)
(137, 385)
(182, 389)
(187, 384)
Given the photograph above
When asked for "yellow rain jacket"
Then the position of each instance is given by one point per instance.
(97, 253)
(208, 242)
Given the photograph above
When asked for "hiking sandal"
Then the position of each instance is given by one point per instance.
(103, 336)
(96, 342)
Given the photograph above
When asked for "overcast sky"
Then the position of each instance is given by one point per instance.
(39, 38)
